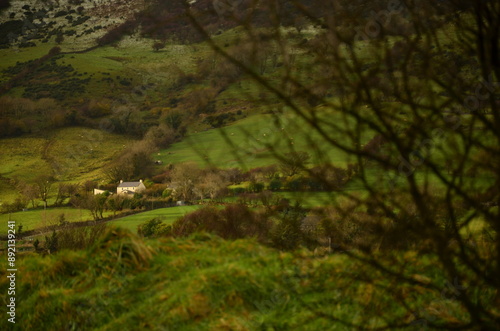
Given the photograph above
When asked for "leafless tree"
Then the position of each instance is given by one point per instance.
(423, 76)
(43, 184)
(210, 183)
(64, 191)
(294, 162)
(184, 178)
(29, 192)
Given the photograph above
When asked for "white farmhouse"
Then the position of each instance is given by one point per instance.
(130, 188)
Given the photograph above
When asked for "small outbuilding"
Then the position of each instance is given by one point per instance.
(98, 191)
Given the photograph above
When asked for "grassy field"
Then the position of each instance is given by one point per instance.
(33, 219)
(305, 199)
(310, 199)
(9, 57)
(252, 142)
(167, 215)
(21, 155)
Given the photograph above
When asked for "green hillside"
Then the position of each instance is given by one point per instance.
(254, 142)
(334, 165)
(206, 283)
(70, 154)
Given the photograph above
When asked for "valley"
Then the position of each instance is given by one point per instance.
(242, 165)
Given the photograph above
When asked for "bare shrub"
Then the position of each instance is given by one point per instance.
(83, 237)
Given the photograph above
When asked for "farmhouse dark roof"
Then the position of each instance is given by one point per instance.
(129, 184)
